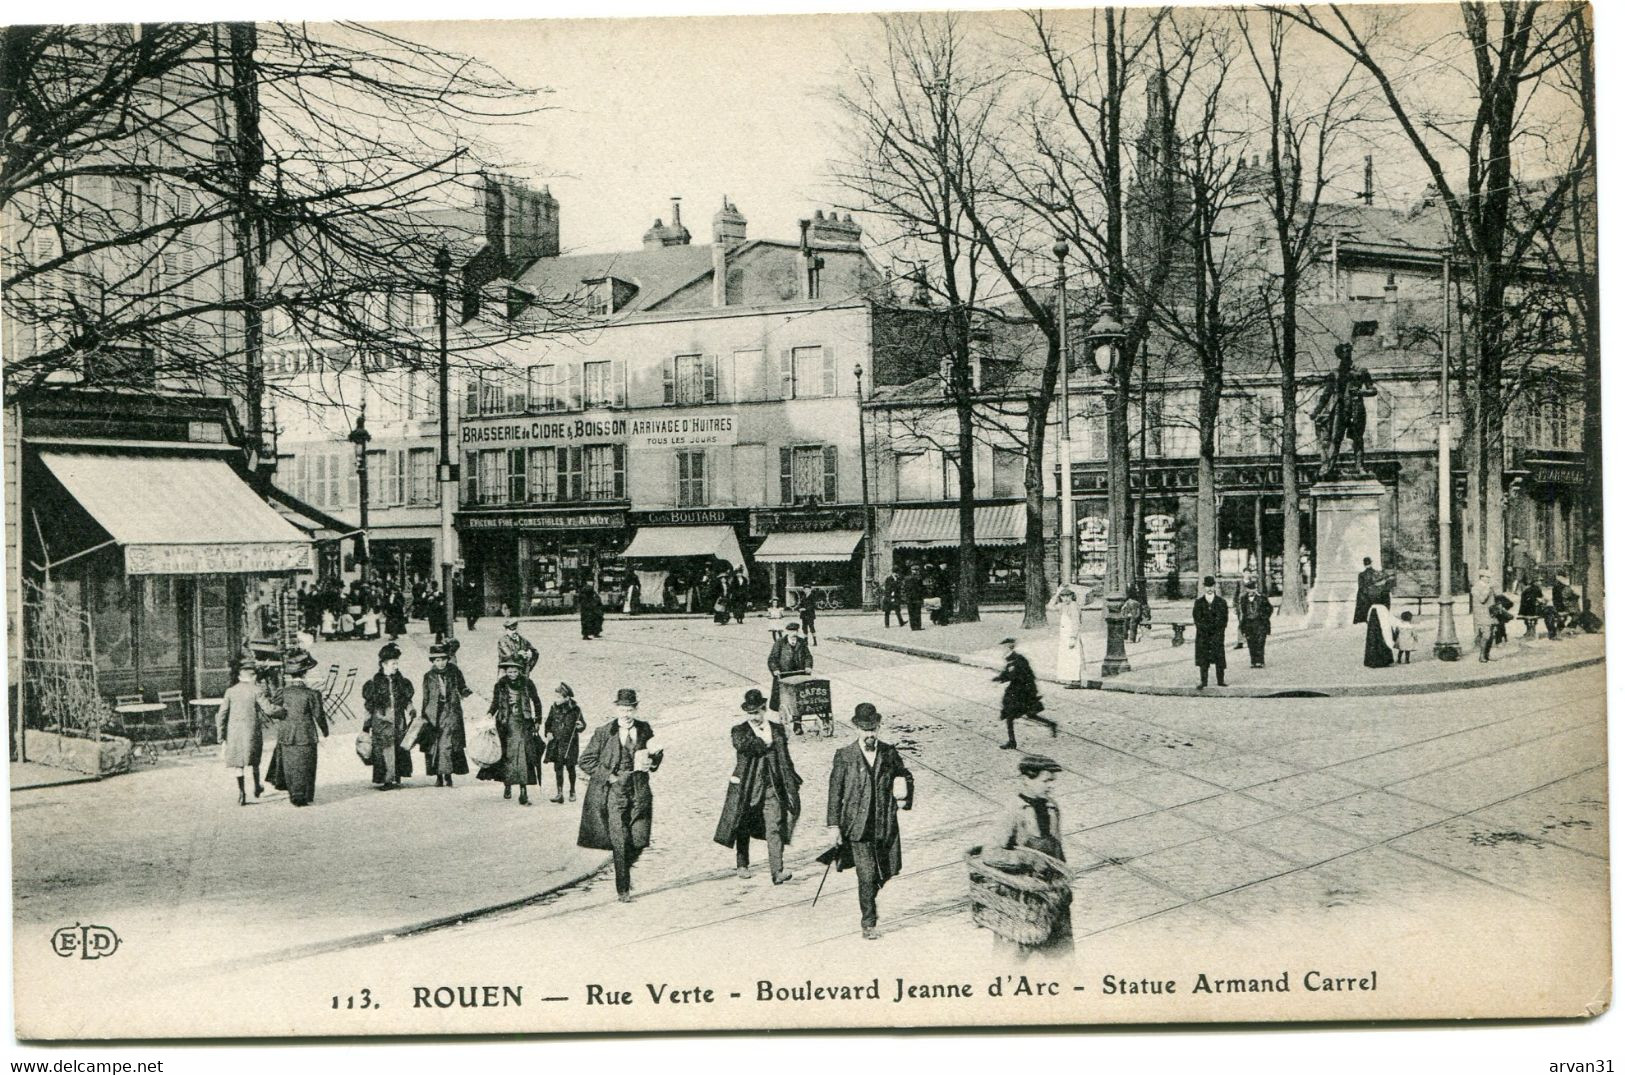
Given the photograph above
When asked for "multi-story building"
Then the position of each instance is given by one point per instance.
(702, 417)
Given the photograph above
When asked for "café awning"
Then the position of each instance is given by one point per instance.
(929, 528)
(823, 546)
(676, 542)
(180, 515)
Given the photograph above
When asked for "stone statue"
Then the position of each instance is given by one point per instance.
(1340, 413)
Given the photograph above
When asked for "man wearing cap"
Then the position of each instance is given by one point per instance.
(862, 812)
(618, 810)
(514, 644)
(1211, 615)
(764, 793)
(1021, 698)
(790, 656)
(443, 694)
(1032, 821)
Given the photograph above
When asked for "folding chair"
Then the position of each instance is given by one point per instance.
(328, 684)
(337, 704)
(181, 725)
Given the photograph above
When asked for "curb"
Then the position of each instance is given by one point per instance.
(1284, 691)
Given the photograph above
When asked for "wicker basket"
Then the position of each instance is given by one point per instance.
(1024, 904)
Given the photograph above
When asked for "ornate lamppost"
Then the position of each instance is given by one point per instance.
(1104, 343)
(446, 470)
(867, 581)
(361, 438)
(1069, 523)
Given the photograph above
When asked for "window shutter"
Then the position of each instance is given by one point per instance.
(787, 486)
(831, 486)
(669, 380)
(471, 397)
(829, 371)
(709, 367)
(471, 482)
(620, 471)
(575, 386)
(617, 377)
(391, 493)
(787, 374)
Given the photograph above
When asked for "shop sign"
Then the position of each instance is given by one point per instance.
(683, 431)
(246, 558)
(763, 523)
(511, 520)
(689, 517)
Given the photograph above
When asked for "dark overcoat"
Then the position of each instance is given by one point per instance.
(517, 709)
(1253, 613)
(1210, 619)
(760, 769)
(603, 757)
(861, 799)
(298, 735)
(786, 658)
(592, 613)
(388, 700)
(1021, 697)
(443, 694)
(563, 733)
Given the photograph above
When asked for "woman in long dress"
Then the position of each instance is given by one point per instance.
(518, 710)
(1379, 637)
(301, 730)
(1068, 612)
(388, 698)
(442, 709)
(238, 723)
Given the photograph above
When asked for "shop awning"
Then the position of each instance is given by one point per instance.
(180, 515)
(926, 528)
(674, 542)
(821, 547)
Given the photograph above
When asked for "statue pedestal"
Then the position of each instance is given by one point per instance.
(1348, 528)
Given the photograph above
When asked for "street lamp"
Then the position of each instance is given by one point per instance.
(863, 471)
(1446, 647)
(1069, 523)
(446, 472)
(360, 438)
(1105, 343)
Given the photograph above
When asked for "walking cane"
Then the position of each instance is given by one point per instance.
(821, 881)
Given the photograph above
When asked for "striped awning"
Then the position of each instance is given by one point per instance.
(826, 546)
(680, 542)
(925, 528)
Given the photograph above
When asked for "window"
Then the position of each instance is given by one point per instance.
(1179, 424)
(914, 474)
(544, 474)
(806, 372)
(691, 478)
(395, 477)
(423, 476)
(377, 490)
(492, 397)
(516, 475)
(471, 477)
(1009, 472)
(1548, 425)
(807, 473)
(569, 465)
(605, 469)
(493, 479)
(950, 474)
(691, 379)
(539, 388)
(601, 384)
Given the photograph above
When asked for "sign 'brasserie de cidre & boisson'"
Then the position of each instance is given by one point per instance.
(673, 431)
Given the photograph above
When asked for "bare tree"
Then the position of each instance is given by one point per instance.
(167, 188)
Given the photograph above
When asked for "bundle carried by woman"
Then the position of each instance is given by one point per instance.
(1023, 898)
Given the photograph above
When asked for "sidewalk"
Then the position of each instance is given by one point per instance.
(26, 775)
(1329, 662)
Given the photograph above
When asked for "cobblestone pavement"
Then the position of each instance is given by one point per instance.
(1185, 819)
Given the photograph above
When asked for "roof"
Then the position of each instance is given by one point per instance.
(657, 273)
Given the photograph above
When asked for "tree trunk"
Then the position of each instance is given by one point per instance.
(1207, 521)
(1294, 601)
(967, 602)
(1035, 606)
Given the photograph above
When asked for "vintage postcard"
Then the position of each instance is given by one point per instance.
(1043, 518)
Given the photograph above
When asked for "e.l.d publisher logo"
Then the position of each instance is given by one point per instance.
(86, 942)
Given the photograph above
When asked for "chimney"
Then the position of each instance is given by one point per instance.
(660, 235)
(1367, 194)
(832, 231)
(1390, 312)
(728, 226)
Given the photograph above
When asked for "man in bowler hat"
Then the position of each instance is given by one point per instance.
(862, 813)
(1211, 615)
(619, 808)
(764, 793)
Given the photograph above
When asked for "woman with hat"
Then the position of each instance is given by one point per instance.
(301, 730)
(443, 694)
(561, 739)
(1068, 612)
(764, 793)
(388, 699)
(238, 726)
(517, 709)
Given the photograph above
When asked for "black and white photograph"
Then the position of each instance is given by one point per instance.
(934, 519)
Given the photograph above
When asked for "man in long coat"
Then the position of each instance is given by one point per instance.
(862, 812)
(512, 644)
(1210, 615)
(764, 793)
(442, 708)
(618, 810)
(1253, 611)
(790, 655)
(591, 607)
(1374, 588)
(914, 596)
(1021, 698)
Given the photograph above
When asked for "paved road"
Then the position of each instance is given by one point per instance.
(1368, 822)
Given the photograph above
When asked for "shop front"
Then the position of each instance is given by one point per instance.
(536, 562)
(403, 561)
(175, 561)
(929, 539)
(812, 554)
(678, 554)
